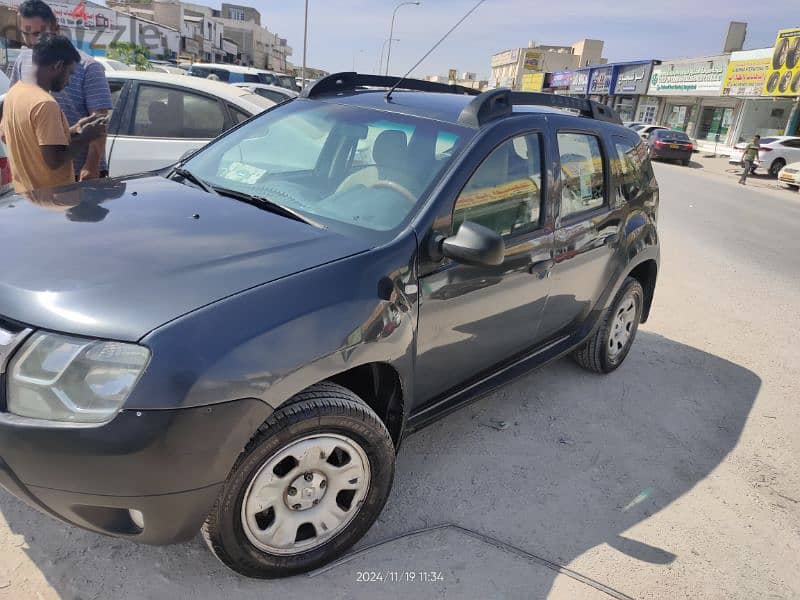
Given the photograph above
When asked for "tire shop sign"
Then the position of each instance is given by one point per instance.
(783, 78)
(745, 77)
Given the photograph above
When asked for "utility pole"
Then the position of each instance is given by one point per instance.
(391, 30)
(305, 45)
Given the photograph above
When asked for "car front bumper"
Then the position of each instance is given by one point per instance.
(167, 464)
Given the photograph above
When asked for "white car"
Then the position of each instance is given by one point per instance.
(645, 131)
(158, 118)
(111, 65)
(776, 152)
(270, 92)
(789, 176)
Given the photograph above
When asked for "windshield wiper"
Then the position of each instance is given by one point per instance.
(271, 206)
(189, 176)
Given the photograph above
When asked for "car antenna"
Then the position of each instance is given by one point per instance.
(436, 45)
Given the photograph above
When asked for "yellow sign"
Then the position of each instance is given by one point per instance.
(532, 82)
(746, 77)
(533, 61)
(783, 78)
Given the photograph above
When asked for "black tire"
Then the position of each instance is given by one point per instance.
(323, 408)
(594, 354)
(776, 167)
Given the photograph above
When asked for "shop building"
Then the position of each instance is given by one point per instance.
(690, 97)
(510, 67)
(629, 91)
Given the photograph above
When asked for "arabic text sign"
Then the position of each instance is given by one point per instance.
(632, 79)
(699, 77)
(81, 15)
(600, 81)
(505, 58)
(580, 82)
(532, 82)
(783, 78)
(745, 77)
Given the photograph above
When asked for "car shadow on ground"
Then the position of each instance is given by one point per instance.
(537, 474)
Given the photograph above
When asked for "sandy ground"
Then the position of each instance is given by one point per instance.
(675, 477)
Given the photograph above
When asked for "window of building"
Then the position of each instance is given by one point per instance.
(582, 173)
(237, 14)
(163, 112)
(505, 193)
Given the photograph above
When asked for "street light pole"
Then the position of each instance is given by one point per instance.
(383, 49)
(391, 30)
(305, 45)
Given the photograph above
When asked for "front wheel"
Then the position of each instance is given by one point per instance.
(306, 488)
(610, 344)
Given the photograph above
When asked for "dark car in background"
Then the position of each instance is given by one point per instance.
(238, 344)
(665, 144)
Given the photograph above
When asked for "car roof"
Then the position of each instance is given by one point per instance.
(430, 105)
(219, 89)
(266, 86)
(231, 68)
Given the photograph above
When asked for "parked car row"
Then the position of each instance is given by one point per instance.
(238, 74)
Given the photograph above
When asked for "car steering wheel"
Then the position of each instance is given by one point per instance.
(395, 187)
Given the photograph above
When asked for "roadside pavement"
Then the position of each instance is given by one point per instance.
(718, 166)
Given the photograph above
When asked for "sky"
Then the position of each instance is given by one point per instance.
(342, 32)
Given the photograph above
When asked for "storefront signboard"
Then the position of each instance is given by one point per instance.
(532, 82)
(745, 77)
(783, 78)
(560, 79)
(632, 79)
(701, 77)
(580, 82)
(600, 81)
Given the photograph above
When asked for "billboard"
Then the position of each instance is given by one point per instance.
(698, 77)
(81, 14)
(561, 79)
(783, 78)
(505, 58)
(533, 61)
(745, 77)
(532, 82)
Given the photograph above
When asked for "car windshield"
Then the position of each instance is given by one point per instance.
(349, 168)
(117, 65)
(286, 81)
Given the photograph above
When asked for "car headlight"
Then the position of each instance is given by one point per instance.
(63, 378)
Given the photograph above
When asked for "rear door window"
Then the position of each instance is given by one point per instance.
(582, 173)
(631, 167)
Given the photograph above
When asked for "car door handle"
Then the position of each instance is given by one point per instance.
(541, 269)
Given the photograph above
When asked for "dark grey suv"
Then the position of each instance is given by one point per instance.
(240, 343)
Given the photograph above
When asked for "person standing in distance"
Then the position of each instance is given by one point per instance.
(749, 157)
(87, 93)
(41, 145)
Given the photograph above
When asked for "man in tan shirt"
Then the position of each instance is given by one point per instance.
(40, 143)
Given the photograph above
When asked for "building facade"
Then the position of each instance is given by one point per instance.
(520, 68)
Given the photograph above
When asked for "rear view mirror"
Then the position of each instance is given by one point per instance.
(475, 245)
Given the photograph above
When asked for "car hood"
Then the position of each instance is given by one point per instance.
(118, 258)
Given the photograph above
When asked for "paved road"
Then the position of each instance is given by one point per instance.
(674, 477)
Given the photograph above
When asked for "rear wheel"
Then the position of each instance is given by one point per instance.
(610, 344)
(776, 167)
(306, 488)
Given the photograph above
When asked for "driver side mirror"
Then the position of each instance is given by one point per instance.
(475, 245)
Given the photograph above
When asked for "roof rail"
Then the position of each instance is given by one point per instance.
(349, 82)
(498, 103)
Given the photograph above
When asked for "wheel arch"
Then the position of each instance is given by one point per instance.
(646, 273)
